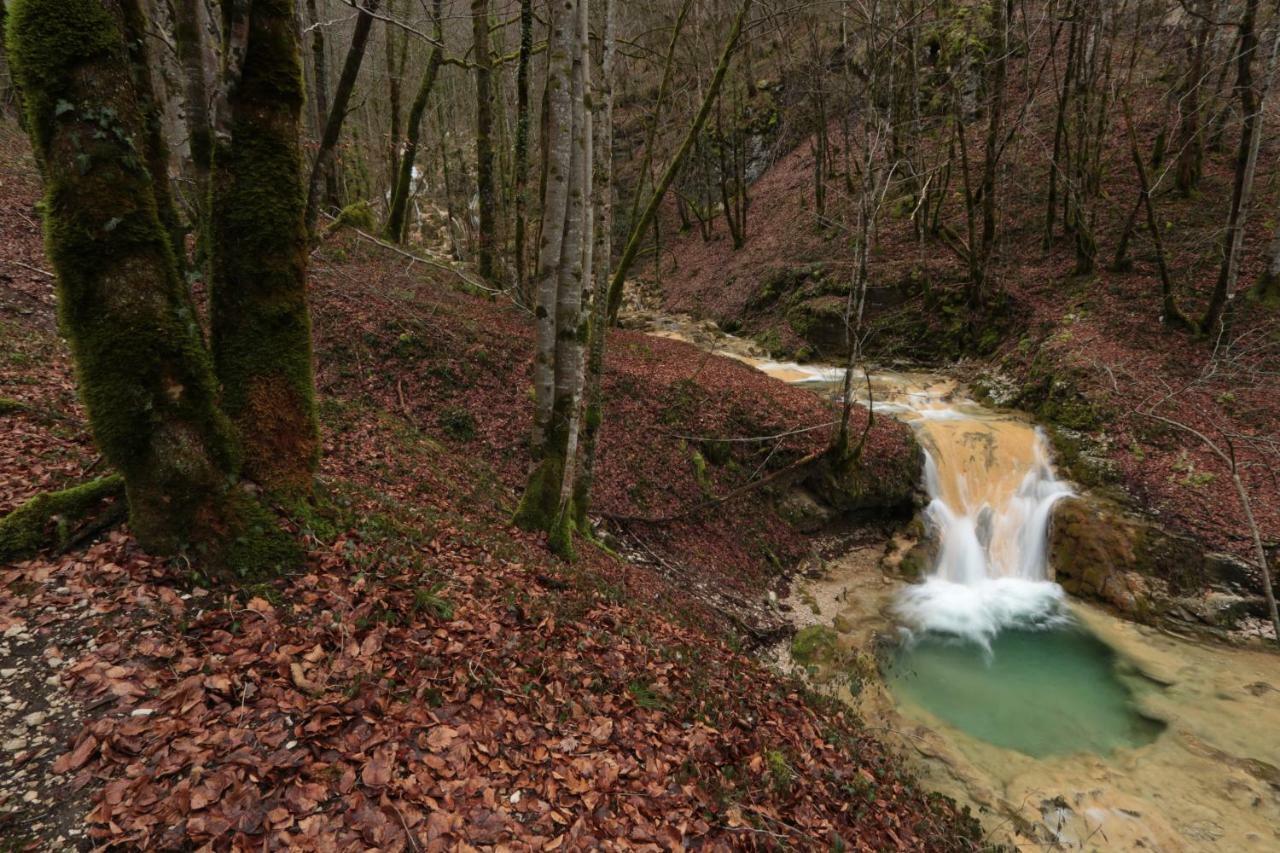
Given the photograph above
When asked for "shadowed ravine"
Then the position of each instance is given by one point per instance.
(1062, 725)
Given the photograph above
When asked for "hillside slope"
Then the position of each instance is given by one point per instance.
(433, 679)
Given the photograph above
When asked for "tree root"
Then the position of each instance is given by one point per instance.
(62, 519)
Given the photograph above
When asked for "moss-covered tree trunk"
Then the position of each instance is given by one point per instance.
(397, 217)
(143, 371)
(261, 325)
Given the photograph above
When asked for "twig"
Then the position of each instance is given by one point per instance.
(45, 273)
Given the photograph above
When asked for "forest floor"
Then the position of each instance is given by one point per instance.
(433, 679)
(1088, 354)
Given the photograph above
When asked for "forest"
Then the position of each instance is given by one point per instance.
(662, 425)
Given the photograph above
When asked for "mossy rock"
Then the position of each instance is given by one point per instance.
(820, 322)
(803, 512)
(816, 645)
(853, 487)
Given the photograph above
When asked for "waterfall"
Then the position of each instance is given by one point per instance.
(991, 491)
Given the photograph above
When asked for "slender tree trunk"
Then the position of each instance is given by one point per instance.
(1191, 142)
(602, 259)
(635, 237)
(651, 132)
(260, 320)
(143, 371)
(320, 95)
(1171, 315)
(484, 136)
(539, 507)
(395, 73)
(1251, 100)
(338, 111)
(397, 218)
(1059, 136)
(995, 119)
(1268, 287)
(521, 165)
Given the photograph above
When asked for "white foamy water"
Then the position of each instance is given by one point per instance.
(992, 489)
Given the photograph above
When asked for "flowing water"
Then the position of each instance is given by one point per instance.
(1064, 727)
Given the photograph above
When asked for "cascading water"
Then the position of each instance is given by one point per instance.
(992, 490)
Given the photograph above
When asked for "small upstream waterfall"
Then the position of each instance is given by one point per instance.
(991, 488)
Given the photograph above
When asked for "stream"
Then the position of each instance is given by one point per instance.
(1060, 725)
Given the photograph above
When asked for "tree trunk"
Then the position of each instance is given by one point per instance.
(143, 371)
(190, 37)
(155, 147)
(338, 111)
(484, 136)
(395, 72)
(1268, 287)
(1251, 101)
(320, 73)
(521, 165)
(994, 123)
(602, 259)
(397, 218)
(635, 236)
(1191, 142)
(260, 321)
(559, 257)
(1171, 315)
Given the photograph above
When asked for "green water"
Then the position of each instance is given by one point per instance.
(1039, 692)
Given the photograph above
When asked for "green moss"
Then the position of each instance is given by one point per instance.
(540, 510)
(8, 407)
(261, 327)
(356, 215)
(47, 518)
(816, 644)
(700, 472)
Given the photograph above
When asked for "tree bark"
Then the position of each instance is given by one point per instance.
(560, 334)
(521, 165)
(484, 137)
(190, 37)
(602, 259)
(338, 111)
(261, 326)
(144, 374)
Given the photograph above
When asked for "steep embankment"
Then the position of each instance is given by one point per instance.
(433, 677)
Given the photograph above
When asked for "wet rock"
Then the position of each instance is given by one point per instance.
(1098, 551)
(799, 508)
